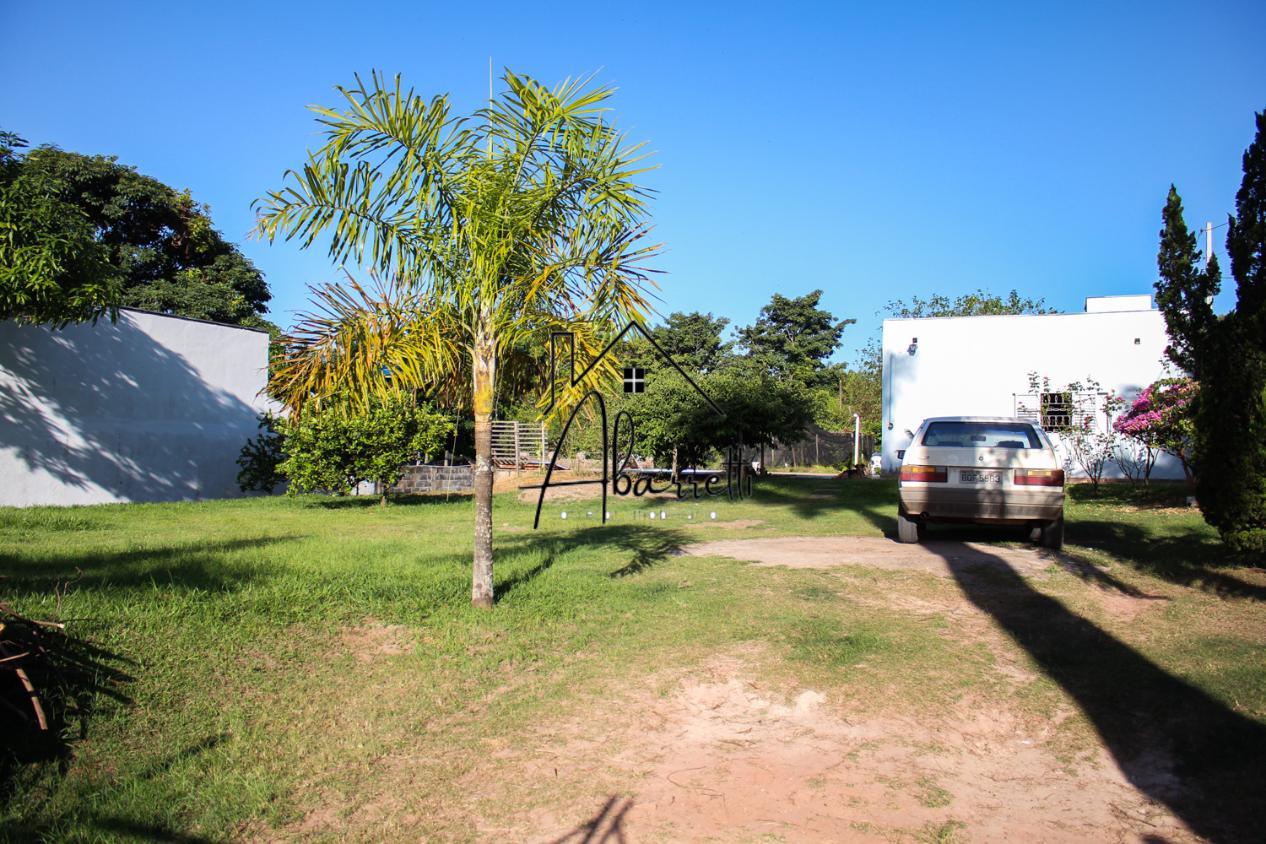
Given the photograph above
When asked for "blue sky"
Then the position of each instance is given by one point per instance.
(875, 154)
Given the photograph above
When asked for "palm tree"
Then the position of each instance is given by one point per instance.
(522, 220)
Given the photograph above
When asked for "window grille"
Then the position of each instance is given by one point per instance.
(1061, 411)
(1057, 411)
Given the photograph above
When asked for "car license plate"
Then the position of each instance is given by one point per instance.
(970, 476)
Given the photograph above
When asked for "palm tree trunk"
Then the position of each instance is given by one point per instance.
(484, 378)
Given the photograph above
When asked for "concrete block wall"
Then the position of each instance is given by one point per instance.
(423, 479)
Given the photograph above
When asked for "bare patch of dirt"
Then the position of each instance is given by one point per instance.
(725, 758)
(529, 494)
(820, 552)
(321, 818)
(371, 640)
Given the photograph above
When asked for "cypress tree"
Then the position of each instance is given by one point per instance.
(1246, 238)
(1184, 292)
(1231, 412)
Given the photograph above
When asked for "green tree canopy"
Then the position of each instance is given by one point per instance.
(694, 340)
(793, 337)
(53, 269)
(676, 426)
(979, 303)
(120, 238)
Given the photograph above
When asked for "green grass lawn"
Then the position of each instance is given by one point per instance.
(246, 635)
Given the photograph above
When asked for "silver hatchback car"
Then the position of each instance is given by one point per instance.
(982, 469)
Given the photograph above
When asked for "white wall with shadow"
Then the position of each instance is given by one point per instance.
(148, 408)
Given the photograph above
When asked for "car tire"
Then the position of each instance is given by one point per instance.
(1052, 535)
(908, 530)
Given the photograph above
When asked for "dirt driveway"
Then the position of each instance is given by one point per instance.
(726, 758)
(821, 552)
(730, 756)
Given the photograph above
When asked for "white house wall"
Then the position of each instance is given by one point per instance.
(150, 408)
(977, 365)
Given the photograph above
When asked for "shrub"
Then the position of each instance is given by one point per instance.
(339, 446)
(260, 458)
(1162, 419)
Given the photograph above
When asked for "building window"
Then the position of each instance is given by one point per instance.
(1057, 411)
(634, 379)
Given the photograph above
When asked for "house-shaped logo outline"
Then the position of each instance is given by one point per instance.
(576, 380)
(612, 471)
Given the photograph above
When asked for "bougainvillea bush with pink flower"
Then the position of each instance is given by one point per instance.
(1160, 420)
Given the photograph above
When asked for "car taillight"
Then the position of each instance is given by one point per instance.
(1038, 477)
(925, 474)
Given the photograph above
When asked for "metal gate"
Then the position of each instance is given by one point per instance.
(518, 445)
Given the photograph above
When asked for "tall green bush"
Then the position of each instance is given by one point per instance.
(338, 447)
(1227, 355)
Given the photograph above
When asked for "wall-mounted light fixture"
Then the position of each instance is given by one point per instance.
(914, 346)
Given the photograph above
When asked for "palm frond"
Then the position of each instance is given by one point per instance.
(361, 343)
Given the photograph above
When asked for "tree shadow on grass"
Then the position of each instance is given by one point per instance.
(1190, 558)
(808, 498)
(644, 546)
(1156, 495)
(194, 565)
(1173, 741)
(129, 829)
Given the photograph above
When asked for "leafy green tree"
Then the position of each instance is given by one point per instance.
(1246, 239)
(1184, 291)
(694, 340)
(523, 220)
(979, 303)
(151, 246)
(793, 337)
(677, 427)
(858, 389)
(759, 408)
(670, 420)
(52, 267)
(342, 445)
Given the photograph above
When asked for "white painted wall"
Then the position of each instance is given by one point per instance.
(976, 365)
(150, 408)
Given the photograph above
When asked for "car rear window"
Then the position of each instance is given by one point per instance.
(981, 435)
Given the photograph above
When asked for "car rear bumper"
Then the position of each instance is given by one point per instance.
(990, 505)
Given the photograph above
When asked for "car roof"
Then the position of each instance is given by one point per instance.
(980, 419)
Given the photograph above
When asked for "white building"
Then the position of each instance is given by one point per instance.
(149, 408)
(984, 366)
